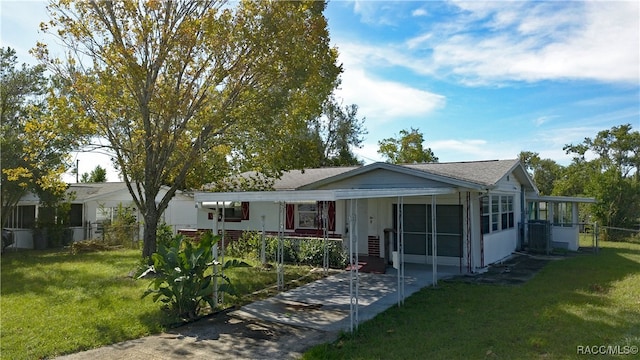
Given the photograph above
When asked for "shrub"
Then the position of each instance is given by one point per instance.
(247, 246)
(296, 250)
(184, 279)
(89, 246)
(124, 230)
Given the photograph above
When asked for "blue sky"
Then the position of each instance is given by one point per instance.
(481, 80)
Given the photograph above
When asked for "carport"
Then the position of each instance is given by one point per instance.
(214, 199)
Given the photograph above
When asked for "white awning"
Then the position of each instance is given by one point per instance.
(559, 199)
(293, 196)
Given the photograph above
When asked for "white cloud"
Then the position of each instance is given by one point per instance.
(543, 119)
(467, 149)
(418, 40)
(594, 40)
(419, 12)
(378, 99)
(382, 101)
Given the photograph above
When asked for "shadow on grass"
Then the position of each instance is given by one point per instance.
(44, 271)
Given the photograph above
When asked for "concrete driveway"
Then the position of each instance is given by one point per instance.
(282, 327)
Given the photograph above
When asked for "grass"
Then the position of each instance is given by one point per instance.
(585, 300)
(55, 303)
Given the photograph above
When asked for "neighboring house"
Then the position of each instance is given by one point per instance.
(92, 205)
(482, 209)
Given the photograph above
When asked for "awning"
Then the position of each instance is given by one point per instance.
(559, 199)
(292, 196)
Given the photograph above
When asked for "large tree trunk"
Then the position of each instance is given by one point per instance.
(150, 227)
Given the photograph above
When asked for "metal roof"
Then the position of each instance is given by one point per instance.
(292, 196)
(568, 199)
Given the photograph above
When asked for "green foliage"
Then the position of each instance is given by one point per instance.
(35, 144)
(612, 177)
(407, 148)
(184, 280)
(545, 172)
(311, 252)
(217, 89)
(296, 250)
(124, 230)
(333, 135)
(97, 175)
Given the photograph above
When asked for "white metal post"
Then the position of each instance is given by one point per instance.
(263, 252)
(400, 249)
(280, 248)
(325, 237)
(353, 269)
(222, 250)
(214, 230)
(434, 241)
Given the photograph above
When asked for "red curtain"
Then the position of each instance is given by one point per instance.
(290, 222)
(245, 210)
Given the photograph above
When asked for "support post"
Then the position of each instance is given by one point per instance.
(280, 247)
(400, 249)
(353, 268)
(214, 252)
(325, 237)
(434, 241)
(222, 250)
(263, 252)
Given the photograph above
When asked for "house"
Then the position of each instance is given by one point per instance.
(93, 205)
(470, 214)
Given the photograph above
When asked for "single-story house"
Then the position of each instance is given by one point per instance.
(477, 211)
(92, 205)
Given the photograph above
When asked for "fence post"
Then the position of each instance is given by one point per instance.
(596, 232)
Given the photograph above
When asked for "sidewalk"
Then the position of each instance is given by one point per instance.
(281, 327)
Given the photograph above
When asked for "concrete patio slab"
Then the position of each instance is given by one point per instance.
(326, 304)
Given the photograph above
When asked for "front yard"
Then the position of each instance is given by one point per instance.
(570, 309)
(55, 303)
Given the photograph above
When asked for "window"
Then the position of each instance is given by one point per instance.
(75, 215)
(235, 211)
(543, 211)
(308, 216)
(22, 217)
(562, 214)
(484, 210)
(506, 210)
(496, 213)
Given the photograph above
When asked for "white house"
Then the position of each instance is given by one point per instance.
(480, 210)
(91, 205)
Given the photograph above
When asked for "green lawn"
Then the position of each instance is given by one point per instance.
(54, 303)
(585, 300)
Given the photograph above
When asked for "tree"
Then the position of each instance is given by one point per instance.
(545, 172)
(35, 144)
(333, 134)
(407, 148)
(172, 83)
(613, 175)
(97, 175)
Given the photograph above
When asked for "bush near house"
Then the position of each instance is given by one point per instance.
(305, 251)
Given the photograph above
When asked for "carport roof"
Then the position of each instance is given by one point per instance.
(290, 196)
